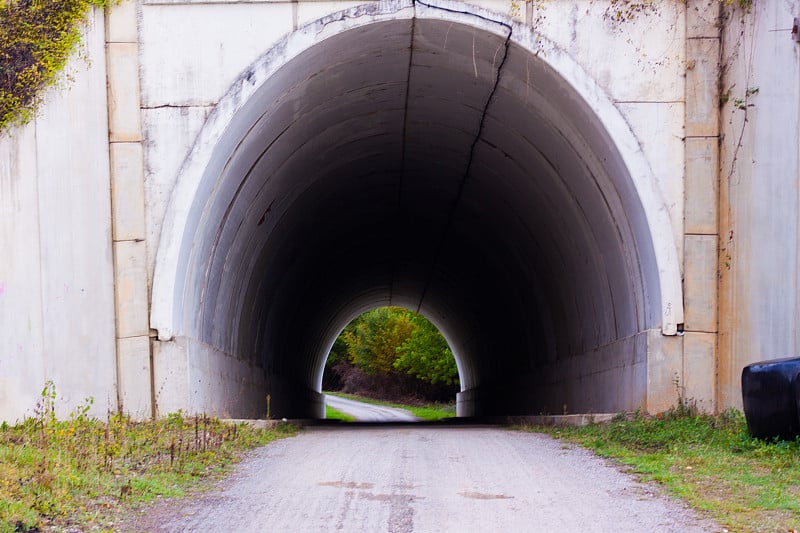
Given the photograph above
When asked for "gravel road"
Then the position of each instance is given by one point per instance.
(423, 479)
(364, 412)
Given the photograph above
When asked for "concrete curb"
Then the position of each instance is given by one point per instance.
(562, 420)
(577, 420)
(262, 423)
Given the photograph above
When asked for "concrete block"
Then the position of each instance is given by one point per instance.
(702, 87)
(124, 120)
(130, 272)
(133, 379)
(127, 191)
(699, 369)
(700, 283)
(702, 18)
(170, 377)
(702, 185)
(664, 370)
(121, 22)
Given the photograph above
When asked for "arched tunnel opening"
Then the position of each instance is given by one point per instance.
(395, 355)
(437, 164)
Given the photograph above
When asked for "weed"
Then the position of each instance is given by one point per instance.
(78, 470)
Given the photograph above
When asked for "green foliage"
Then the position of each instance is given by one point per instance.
(743, 4)
(338, 353)
(392, 340)
(426, 355)
(36, 39)
(374, 337)
(55, 472)
(746, 484)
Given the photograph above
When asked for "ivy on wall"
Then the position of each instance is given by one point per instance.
(36, 39)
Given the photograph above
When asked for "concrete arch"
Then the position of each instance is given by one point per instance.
(385, 122)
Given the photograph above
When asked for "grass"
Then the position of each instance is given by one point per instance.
(84, 472)
(333, 414)
(710, 461)
(430, 413)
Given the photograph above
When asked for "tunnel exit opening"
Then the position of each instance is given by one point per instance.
(399, 154)
(393, 355)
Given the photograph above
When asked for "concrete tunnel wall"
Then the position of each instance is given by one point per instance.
(420, 157)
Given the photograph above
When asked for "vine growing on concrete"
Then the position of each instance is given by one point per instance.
(619, 11)
(37, 38)
(741, 100)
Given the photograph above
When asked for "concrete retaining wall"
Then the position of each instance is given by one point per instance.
(759, 192)
(57, 317)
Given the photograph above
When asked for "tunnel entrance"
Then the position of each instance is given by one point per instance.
(446, 162)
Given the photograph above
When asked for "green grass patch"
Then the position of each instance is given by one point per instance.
(333, 414)
(710, 461)
(84, 472)
(430, 412)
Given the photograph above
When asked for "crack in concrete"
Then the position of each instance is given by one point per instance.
(481, 125)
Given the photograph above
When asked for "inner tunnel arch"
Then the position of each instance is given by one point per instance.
(400, 154)
(329, 345)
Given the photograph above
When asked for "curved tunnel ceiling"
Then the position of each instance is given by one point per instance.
(426, 164)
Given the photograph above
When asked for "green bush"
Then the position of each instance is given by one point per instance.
(36, 40)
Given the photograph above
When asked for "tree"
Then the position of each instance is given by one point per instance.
(392, 353)
(373, 340)
(426, 355)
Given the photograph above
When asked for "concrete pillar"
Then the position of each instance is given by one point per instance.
(134, 379)
(701, 218)
(664, 370)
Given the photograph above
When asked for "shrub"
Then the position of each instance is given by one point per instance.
(36, 39)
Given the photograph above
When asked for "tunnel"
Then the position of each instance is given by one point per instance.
(426, 158)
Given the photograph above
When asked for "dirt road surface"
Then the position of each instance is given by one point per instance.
(423, 479)
(364, 412)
